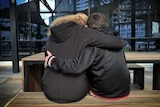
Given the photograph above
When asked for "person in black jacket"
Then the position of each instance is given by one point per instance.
(67, 38)
(107, 69)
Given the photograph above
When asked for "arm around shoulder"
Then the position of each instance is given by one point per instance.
(101, 40)
(77, 65)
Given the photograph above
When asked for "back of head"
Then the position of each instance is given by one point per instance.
(96, 20)
(79, 18)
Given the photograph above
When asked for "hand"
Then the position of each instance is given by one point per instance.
(46, 58)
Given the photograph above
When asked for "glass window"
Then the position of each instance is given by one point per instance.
(4, 4)
(44, 11)
(19, 2)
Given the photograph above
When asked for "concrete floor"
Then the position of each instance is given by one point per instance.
(11, 83)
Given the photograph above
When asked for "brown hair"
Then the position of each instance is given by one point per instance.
(97, 20)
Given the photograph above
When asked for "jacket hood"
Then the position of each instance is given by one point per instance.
(79, 18)
(61, 32)
(107, 30)
(59, 29)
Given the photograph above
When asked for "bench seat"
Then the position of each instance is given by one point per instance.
(138, 98)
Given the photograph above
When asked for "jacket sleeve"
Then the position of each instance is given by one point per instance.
(101, 40)
(77, 65)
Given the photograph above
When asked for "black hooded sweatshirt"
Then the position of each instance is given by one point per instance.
(107, 69)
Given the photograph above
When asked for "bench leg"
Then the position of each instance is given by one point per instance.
(138, 77)
(156, 76)
(35, 73)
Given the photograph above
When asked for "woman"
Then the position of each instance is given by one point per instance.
(68, 36)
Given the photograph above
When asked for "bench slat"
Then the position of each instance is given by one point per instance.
(132, 94)
(130, 65)
(136, 98)
(89, 100)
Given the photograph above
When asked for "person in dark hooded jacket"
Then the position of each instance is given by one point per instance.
(68, 37)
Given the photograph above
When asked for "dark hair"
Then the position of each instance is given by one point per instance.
(96, 20)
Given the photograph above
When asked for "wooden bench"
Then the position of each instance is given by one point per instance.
(35, 73)
(138, 74)
(139, 98)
